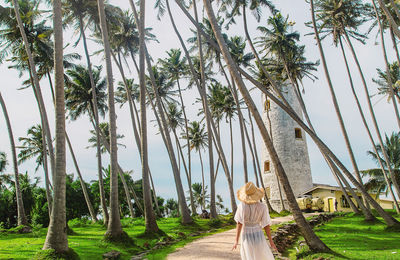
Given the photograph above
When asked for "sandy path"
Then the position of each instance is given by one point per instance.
(218, 246)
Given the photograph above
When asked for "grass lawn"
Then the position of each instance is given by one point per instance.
(352, 238)
(87, 240)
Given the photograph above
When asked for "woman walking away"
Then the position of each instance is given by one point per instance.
(252, 216)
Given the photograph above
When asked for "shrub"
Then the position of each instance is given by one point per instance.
(215, 223)
(79, 222)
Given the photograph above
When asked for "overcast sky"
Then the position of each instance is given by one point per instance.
(23, 110)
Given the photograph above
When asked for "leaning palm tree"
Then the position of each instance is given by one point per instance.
(312, 240)
(22, 220)
(197, 140)
(56, 238)
(196, 76)
(352, 15)
(18, 35)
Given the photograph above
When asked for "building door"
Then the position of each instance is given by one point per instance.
(331, 205)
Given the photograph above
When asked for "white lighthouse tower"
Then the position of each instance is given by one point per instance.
(290, 143)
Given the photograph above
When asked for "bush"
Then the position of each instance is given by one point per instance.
(127, 222)
(215, 223)
(79, 222)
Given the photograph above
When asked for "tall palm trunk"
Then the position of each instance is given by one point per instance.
(82, 182)
(36, 87)
(21, 217)
(374, 121)
(206, 108)
(83, 185)
(133, 111)
(242, 135)
(188, 175)
(150, 218)
(188, 148)
(49, 197)
(95, 113)
(312, 240)
(394, 43)
(213, 209)
(114, 228)
(365, 121)
(57, 232)
(202, 181)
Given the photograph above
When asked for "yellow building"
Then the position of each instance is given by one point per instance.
(334, 199)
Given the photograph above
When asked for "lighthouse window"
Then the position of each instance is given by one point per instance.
(267, 166)
(267, 105)
(298, 133)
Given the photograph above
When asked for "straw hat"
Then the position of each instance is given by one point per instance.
(249, 193)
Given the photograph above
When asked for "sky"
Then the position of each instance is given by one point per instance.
(23, 110)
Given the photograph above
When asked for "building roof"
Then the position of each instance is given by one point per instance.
(323, 186)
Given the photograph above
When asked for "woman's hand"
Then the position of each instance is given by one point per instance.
(235, 246)
(273, 246)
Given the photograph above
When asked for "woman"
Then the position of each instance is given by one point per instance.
(252, 216)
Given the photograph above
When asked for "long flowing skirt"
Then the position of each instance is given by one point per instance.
(254, 246)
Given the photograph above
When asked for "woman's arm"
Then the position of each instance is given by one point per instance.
(268, 231)
(238, 231)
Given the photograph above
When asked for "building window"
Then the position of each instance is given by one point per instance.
(267, 166)
(267, 105)
(298, 134)
(344, 202)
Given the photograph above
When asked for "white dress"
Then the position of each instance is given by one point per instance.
(254, 218)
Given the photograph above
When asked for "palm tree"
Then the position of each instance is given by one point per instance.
(18, 34)
(176, 67)
(22, 220)
(34, 145)
(114, 228)
(79, 101)
(237, 47)
(57, 233)
(383, 81)
(104, 128)
(198, 140)
(151, 224)
(196, 77)
(312, 240)
(392, 148)
(167, 139)
(351, 14)
(77, 12)
(201, 198)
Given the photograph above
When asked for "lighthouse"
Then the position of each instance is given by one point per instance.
(290, 143)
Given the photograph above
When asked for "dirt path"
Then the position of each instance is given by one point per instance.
(218, 246)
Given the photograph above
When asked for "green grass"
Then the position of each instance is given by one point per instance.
(88, 242)
(352, 238)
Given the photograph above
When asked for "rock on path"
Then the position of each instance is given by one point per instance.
(217, 246)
